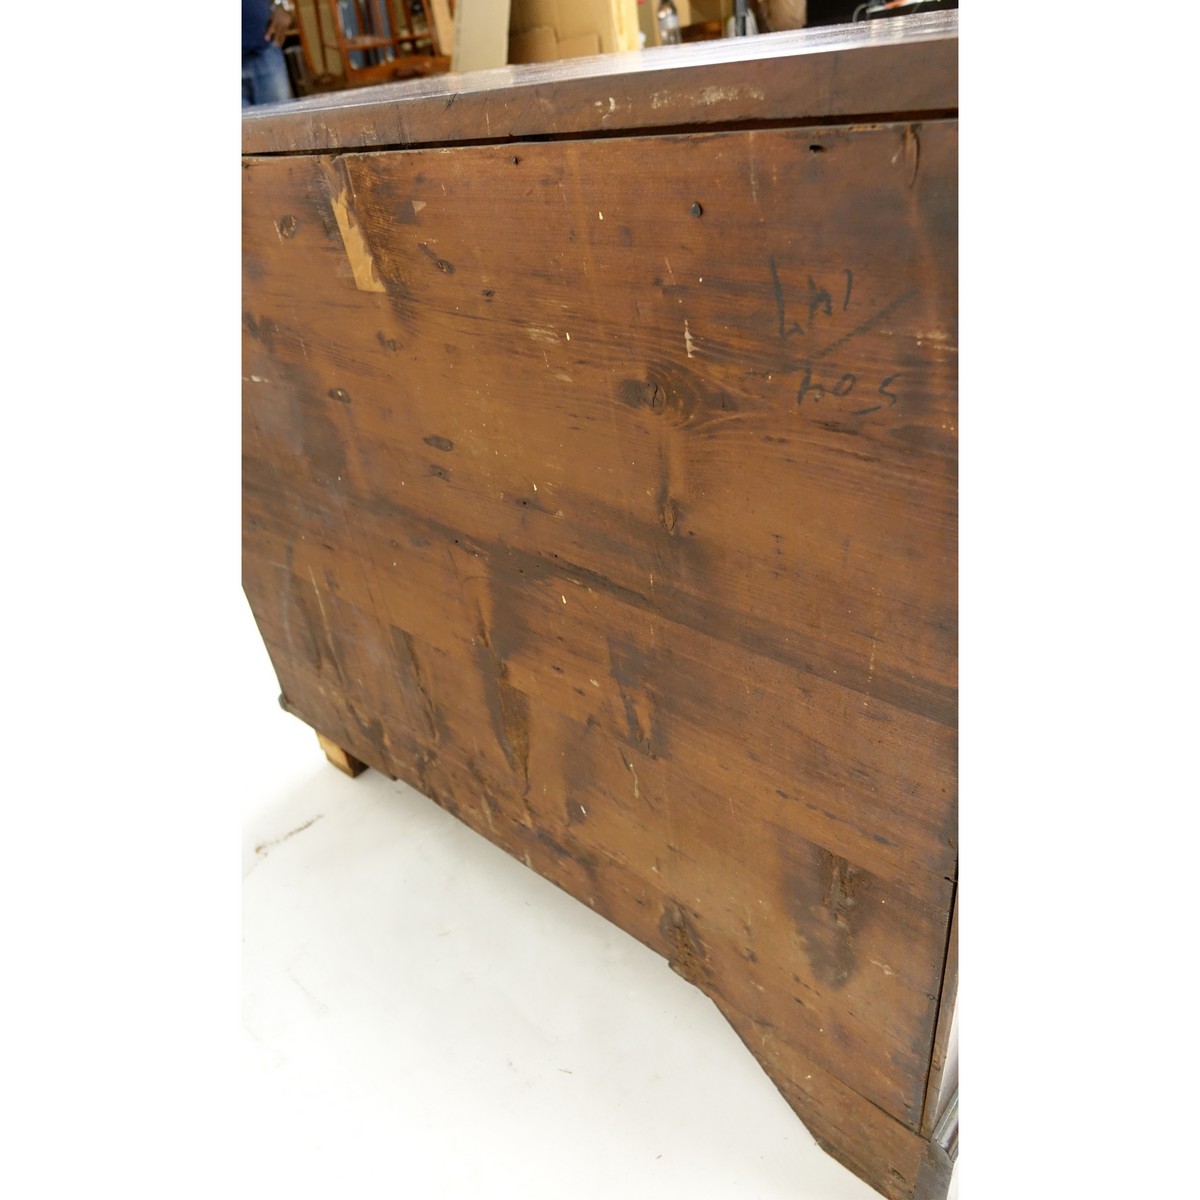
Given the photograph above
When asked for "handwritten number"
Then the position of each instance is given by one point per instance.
(785, 331)
(808, 386)
(818, 298)
(883, 391)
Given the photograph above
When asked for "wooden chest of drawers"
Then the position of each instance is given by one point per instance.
(600, 482)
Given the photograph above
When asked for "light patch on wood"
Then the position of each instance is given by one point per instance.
(715, 95)
(708, 95)
(486, 808)
(417, 205)
(912, 154)
(358, 253)
(689, 345)
(539, 333)
(321, 606)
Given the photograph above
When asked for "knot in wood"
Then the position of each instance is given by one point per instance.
(653, 396)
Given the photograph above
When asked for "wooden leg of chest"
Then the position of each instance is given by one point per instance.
(342, 759)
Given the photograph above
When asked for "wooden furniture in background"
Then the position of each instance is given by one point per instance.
(702, 31)
(604, 490)
(352, 43)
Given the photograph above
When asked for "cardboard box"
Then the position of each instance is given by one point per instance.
(578, 28)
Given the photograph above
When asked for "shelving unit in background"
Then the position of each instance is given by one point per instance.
(353, 43)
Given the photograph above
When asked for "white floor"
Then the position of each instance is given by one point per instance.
(426, 1017)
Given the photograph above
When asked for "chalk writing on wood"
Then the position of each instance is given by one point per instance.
(870, 394)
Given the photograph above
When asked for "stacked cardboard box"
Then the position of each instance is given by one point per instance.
(545, 30)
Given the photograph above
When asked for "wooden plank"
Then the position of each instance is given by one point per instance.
(906, 65)
(896, 829)
(695, 444)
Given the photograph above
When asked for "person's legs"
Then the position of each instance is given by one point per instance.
(265, 78)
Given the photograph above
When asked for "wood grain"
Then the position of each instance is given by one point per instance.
(605, 491)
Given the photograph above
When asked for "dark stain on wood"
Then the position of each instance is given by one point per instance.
(261, 328)
(317, 439)
(507, 707)
(443, 264)
(686, 954)
(830, 901)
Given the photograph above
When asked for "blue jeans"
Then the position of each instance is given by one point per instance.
(264, 77)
